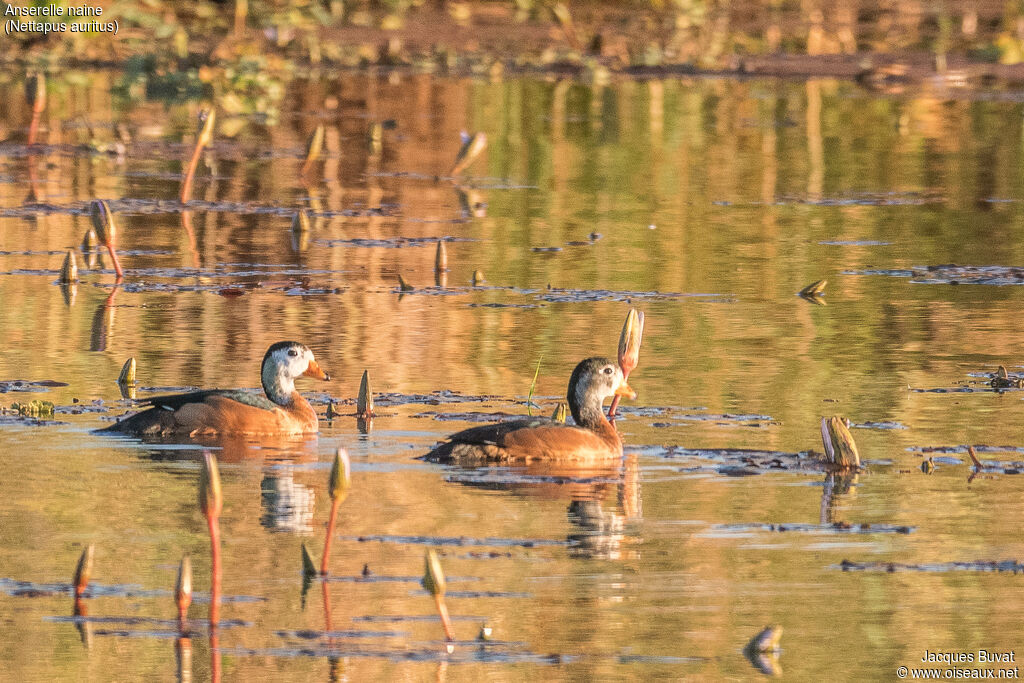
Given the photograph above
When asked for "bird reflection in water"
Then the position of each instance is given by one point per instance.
(286, 504)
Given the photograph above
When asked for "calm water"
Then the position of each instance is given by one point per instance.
(715, 202)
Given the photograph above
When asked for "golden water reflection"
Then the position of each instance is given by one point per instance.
(723, 197)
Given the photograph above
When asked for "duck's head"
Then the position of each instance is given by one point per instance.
(594, 380)
(285, 362)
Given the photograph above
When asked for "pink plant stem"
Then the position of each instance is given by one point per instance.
(193, 164)
(214, 528)
(330, 534)
(446, 621)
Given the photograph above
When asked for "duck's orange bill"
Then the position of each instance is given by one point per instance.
(625, 390)
(315, 371)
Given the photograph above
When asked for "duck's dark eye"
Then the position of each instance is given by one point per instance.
(608, 370)
(293, 352)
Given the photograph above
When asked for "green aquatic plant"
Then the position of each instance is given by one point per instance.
(533, 385)
(34, 408)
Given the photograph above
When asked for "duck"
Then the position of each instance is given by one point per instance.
(281, 411)
(592, 438)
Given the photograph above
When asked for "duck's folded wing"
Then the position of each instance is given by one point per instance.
(176, 401)
(496, 433)
(200, 411)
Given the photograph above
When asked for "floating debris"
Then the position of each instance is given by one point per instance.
(1002, 380)
(1014, 566)
(69, 271)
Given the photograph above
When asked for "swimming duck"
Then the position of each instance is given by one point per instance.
(233, 411)
(592, 438)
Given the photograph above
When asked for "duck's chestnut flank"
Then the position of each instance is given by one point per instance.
(593, 438)
(282, 410)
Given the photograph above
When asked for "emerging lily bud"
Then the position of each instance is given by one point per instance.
(69, 271)
(211, 500)
(83, 571)
(341, 476)
(433, 576)
(629, 341)
(35, 91)
(314, 146)
(364, 401)
(127, 375)
(183, 586)
(208, 119)
(308, 566)
(840, 448)
(103, 222)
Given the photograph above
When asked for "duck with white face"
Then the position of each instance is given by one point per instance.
(591, 439)
(282, 410)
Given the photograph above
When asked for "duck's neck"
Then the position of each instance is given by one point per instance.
(278, 386)
(588, 414)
